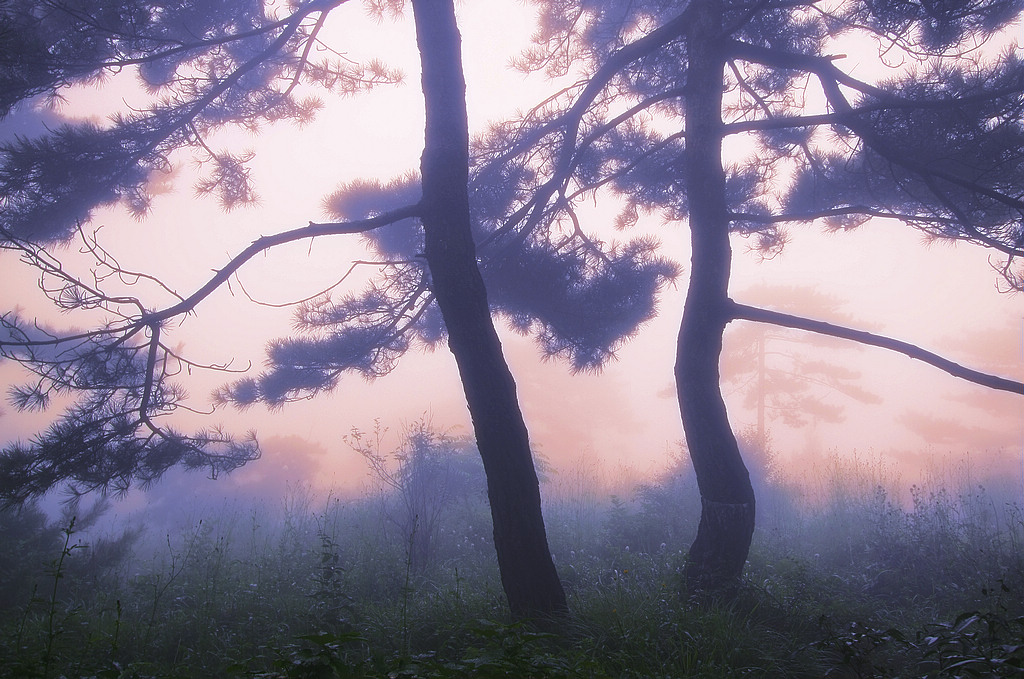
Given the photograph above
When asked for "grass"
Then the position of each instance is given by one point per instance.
(856, 584)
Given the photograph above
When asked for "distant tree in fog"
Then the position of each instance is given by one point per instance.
(421, 481)
(31, 539)
(781, 372)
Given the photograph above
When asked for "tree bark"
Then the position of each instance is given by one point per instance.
(527, 570)
(719, 552)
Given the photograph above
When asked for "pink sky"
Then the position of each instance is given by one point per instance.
(939, 296)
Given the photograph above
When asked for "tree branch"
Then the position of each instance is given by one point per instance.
(840, 211)
(571, 120)
(313, 230)
(114, 63)
(821, 66)
(757, 314)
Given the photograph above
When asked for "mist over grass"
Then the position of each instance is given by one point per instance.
(849, 576)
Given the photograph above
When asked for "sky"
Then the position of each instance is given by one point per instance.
(883, 277)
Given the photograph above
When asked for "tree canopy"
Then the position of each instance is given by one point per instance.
(238, 68)
(211, 66)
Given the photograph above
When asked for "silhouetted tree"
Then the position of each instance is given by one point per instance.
(654, 90)
(214, 64)
(527, 571)
(208, 64)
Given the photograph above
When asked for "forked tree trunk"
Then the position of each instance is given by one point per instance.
(528, 573)
(726, 527)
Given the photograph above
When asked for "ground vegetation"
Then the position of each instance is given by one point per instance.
(867, 579)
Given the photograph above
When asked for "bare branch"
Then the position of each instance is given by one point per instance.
(750, 313)
(313, 230)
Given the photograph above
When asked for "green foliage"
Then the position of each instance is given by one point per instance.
(859, 584)
(318, 656)
(976, 644)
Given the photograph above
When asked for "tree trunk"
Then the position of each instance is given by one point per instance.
(528, 573)
(719, 552)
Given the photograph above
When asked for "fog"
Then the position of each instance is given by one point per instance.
(883, 277)
(890, 495)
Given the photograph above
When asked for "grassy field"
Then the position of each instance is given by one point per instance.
(853, 583)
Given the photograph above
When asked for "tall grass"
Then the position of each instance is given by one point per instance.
(858, 581)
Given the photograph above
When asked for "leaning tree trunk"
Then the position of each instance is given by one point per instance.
(528, 573)
(719, 552)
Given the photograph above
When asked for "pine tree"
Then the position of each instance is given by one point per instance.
(212, 64)
(655, 88)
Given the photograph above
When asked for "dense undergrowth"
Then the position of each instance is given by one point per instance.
(403, 584)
